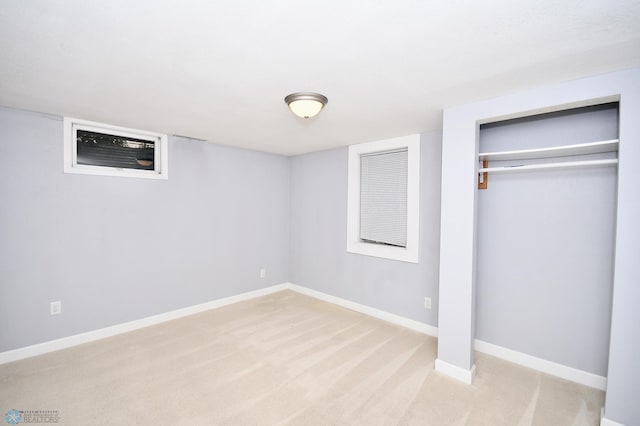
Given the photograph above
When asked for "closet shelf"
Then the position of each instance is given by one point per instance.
(555, 151)
(561, 165)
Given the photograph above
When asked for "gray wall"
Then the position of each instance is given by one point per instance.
(118, 249)
(623, 386)
(318, 255)
(545, 246)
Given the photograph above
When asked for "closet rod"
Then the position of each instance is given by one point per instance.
(554, 151)
(562, 165)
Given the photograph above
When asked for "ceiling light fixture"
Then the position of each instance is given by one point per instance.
(306, 104)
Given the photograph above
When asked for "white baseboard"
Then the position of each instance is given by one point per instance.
(90, 336)
(542, 365)
(459, 373)
(606, 422)
(548, 367)
(367, 310)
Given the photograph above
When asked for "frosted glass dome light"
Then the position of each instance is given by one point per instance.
(306, 104)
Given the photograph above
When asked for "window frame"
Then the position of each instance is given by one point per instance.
(354, 243)
(72, 125)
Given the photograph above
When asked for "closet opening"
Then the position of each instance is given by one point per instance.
(546, 235)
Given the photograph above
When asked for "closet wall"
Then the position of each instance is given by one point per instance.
(545, 242)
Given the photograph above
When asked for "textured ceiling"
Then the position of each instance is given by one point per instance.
(219, 70)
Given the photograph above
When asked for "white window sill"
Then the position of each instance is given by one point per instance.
(383, 251)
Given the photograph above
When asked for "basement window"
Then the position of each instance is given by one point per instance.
(102, 149)
(383, 198)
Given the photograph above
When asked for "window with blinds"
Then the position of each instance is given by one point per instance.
(103, 149)
(107, 150)
(383, 197)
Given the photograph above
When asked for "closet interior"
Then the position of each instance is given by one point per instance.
(545, 234)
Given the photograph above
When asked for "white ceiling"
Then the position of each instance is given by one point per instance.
(219, 70)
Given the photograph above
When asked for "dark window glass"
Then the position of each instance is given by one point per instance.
(101, 149)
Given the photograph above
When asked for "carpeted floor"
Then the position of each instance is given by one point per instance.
(283, 359)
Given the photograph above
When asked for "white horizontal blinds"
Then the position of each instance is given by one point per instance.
(383, 197)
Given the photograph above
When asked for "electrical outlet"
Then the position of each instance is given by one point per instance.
(55, 308)
(263, 273)
(427, 303)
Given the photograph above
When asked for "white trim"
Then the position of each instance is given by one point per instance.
(606, 422)
(354, 244)
(90, 336)
(542, 365)
(71, 125)
(458, 373)
(414, 325)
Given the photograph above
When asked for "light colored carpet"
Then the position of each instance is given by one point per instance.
(283, 359)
